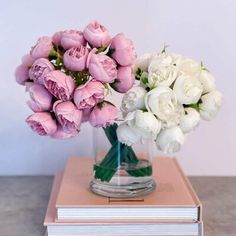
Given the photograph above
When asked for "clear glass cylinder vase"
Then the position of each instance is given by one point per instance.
(121, 170)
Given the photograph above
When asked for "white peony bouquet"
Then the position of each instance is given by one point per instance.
(173, 95)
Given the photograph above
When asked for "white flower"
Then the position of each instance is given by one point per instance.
(142, 62)
(127, 134)
(162, 71)
(208, 81)
(189, 67)
(170, 140)
(173, 118)
(190, 120)
(162, 102)
(210, 105)
(133, 99)
(188, 89)
(145, 123)
(138, 126)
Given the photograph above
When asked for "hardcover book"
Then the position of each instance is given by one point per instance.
(174, 198)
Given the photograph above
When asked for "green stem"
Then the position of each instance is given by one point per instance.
(117, 154)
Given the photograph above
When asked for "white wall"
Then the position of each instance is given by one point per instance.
(204, 30)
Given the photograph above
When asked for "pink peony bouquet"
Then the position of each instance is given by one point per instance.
(69, 75)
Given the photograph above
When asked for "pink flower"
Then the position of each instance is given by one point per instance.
(75, 58)
(59, 84)
(22, 74)
(103, 114)
(72, 38)
(39, 69)
(41, 99)
(42, 123)
(97, 35)
(88, 95)
(56, 38)
(124, 52)
(68, 115)
(42, 48)
(125, 79)
(102, 67)
(27, 60)
(62, 134)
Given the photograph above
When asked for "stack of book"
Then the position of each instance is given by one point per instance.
(172, 209)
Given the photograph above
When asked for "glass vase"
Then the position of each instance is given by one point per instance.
(121, 170)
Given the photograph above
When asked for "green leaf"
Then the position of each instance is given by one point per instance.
(144, 78)
(203, 67)
(80, 77)
(164, 48)
(194, 106)
(101, 49)
(138, 74)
